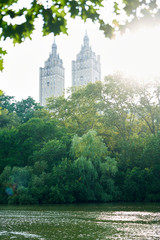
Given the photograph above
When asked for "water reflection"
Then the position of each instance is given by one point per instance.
(91, 222)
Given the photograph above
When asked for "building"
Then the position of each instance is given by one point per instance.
(51, 79)
(87, 67)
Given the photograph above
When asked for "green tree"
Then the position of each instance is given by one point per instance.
(7, 102)
(26, 108)
(1, 93)
(147, 107)
(63, 183)
(5, 185)
(9, 145)
(17, 22)
(8, 120)
(15, 185)
(52, 152)
(36, 139)
(80, 111)
(95, 169)
(32, 135)
(119, 114)
(89, 146)
(136, 185)
(151, 151)
(40, 188)
(8, 117)
(86, 177)
(153, 193)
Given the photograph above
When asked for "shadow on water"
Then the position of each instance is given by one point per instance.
(81, 221)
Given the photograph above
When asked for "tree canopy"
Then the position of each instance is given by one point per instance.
(17, 21)
(96, 146)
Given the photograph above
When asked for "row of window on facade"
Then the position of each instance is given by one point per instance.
(85, 56)
(51, 91)
(50, 71)
(51, 83)
(83, 79)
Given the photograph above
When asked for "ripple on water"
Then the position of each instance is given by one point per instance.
(22, 234)
(76, 225)
(129, 216)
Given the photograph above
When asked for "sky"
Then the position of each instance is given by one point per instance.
(135, 53)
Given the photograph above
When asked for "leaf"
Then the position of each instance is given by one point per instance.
(116, 8)
(108, 30)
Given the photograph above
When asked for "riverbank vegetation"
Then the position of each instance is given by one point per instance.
(100, 144)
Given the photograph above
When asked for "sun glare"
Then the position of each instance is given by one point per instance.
(139, 53)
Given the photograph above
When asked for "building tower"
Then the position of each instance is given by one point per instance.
(51, 79)
(87, 67)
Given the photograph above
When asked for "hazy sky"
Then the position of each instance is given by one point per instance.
(137, 53)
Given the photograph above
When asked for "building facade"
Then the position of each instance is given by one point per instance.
(51, 78)
(87, 67)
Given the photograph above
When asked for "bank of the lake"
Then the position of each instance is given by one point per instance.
(81, 221)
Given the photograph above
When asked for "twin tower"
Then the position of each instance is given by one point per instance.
(85, 69)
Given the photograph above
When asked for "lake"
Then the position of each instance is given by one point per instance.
(81, 221)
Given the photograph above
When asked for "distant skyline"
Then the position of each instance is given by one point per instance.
(136, 53)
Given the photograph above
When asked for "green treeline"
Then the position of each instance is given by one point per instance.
(100, 144)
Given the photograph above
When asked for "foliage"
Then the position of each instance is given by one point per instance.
(18, 22)
(73, 112)
(15, 112)
(7, 102)
(26, 108)
(89, 146)
(100, 144)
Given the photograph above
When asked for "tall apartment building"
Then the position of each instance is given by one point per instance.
(51, 78)
(87, 67)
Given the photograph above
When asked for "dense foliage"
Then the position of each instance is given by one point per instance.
(100, 144)
(17, 19)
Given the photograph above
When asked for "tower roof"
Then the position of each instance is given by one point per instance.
(86, 40)
(54, 45)
(54, 48)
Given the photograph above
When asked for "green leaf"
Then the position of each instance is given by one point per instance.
(116, 8)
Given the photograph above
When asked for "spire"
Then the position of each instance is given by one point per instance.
(54, 48)
(86, 40)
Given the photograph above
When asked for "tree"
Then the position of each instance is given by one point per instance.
(21, 111)
(9, 147)
(18, 183)
(147, 107)
(52, 152)
(32, 135)
(129, 13)
(1, 93)
(136, 184)
(25, 109)
(53, 13)
(39, 136)
(7, 102)
(118, 99)
(94, 168)
(17, 22)
(8, 119)
(89, 146)
(80, 111)
(63, 183)
(151, 151)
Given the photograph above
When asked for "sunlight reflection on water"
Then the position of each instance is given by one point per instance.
(78, 223)
(129, 216)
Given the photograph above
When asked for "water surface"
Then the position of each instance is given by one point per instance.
(81, 221)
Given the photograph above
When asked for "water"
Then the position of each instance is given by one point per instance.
(81, 221)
